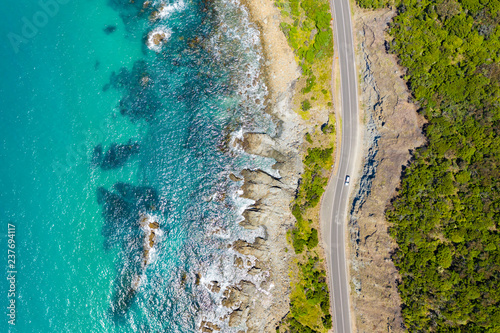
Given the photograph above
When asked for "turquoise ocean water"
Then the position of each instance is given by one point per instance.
(98, 130)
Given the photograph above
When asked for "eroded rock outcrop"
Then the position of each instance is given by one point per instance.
(393, 128)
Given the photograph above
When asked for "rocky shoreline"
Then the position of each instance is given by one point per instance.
(260, 307)
(261, 311)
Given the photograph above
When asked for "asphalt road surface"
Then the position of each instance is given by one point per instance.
(336, 199)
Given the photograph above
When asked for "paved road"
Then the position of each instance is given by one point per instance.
(336, 200)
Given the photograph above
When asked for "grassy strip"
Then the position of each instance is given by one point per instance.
(310, 302)
(306, 23)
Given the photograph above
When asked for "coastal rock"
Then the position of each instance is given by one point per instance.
(145, 80)
(208, 327)
(261, 307)
(259, 302)
(238, 262)
(214, 286)
(235, 297)
(157, 38)
(240, 298)
(238, 317)
(281, 68)
(263, 145)
(256, 249)
(258, 184)
(234, 178)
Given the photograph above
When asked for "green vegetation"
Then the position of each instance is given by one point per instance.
(310, 299)
(372, 3)
(310, 34)
(306, 24)
(306, 105)
(447, 213)
(310, 304)
(317, 163)
(309, 138)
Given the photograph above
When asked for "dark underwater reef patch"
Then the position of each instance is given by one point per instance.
(122, 209)
(131, 12)
(207, 75)
(140, 100)
(123, 291)
(109, 29)
(116, 156)
(193, 72)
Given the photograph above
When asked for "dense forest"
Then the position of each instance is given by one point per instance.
(446, 215)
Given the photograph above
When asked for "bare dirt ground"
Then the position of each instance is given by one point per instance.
(392, 128)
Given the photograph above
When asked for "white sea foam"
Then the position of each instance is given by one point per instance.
(166, 10)
(227, 274)
(224, 273)
(158, 37)
(236, 42)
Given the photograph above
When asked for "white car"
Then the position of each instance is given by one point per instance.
(347, 178)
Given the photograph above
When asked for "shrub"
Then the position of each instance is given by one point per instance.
(306, 105)
(312, 241)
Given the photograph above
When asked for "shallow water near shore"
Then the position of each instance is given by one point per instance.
(97, 130)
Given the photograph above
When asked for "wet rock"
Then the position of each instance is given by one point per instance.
(254, 271)
(260, 184)
(234, 178)
(263, 145)
(145, 80)
(151, 239)
(236, 318)
(214, 286)
(157, 38)
(238, 262)
(257, 249)
(183, 278)
(208, 327)
(123, 212)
